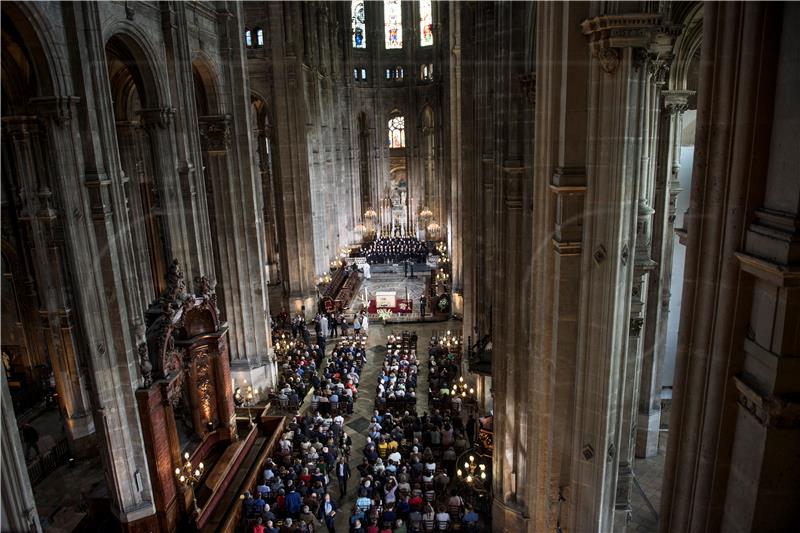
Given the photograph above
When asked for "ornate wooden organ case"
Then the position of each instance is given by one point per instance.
(184, 360)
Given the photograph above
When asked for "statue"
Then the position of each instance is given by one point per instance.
(145, 365)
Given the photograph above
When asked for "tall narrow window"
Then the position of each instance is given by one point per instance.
(248, 38)
(397, 132)
(393, 23)
(425, 23)
(359, 24)
(259, 37)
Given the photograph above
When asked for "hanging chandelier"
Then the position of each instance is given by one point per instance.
(370, 214)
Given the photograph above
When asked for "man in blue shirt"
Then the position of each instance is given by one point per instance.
(293, 503)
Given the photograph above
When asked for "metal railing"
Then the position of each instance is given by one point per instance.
(48, 461)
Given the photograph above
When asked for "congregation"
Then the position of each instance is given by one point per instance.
(407, 472)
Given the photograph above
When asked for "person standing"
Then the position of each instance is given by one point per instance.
(327, 512)
(422, 303)
(323, 320)
(364, 323)
(334, 325)
(356, 324)
(342, 474)
(31, 438)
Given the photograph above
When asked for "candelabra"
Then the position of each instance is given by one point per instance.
(466, 392)
(449, 340)
(251, 400)
(282, 345)
(474, 471)
(187, 475)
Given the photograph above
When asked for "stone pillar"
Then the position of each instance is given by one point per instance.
(616, 95)
(762, 492)
(105, 325)
(667, 188)
(242, 267)
(457, 196)
(725, 470)
(174, 129)
(291, 157)
(19, 507)
(643, 266)
(89, 186)
(27, 146)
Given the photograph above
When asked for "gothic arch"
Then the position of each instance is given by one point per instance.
(127, 44)
(206, 85)
(27, 23)
(687, 47)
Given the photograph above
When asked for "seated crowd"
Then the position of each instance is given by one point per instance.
(395, 249)
(397, 381)
(292, 494)
(409, 460)
(443, 366)
(297, 364)
(337, 389)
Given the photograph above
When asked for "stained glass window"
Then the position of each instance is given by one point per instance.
(248, 38)
(359, 24)
(397, 132)
(425, 23)
(393, 23)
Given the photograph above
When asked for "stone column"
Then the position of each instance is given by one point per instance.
(178, 150)
(457, 196)
(762, 492)
(86, 159)
(292, 164)
(28, 146)
(242, 268)
(735, 309)
(667, 188)
(106, 325)
(616, 97)
(643, 265)
(19, 507)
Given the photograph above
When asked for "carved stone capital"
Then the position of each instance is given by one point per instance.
(676, 101)
(608, 58)
(156, 117)
(215, 132)
(641, 31)
(60, 109)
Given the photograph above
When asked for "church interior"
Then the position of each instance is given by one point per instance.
(257, 256)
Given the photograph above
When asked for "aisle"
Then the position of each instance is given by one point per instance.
(356, 424)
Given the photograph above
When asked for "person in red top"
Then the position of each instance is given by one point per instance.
(373, 528)
(258, 527)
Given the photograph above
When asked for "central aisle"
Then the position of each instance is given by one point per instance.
(356, 424)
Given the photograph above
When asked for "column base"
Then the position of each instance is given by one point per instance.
(622, 517)
(507, 518)
(647, 431)
(81, 436)
(261, 376)
(306, 304)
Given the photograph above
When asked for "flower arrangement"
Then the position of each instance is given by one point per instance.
(384, 314)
